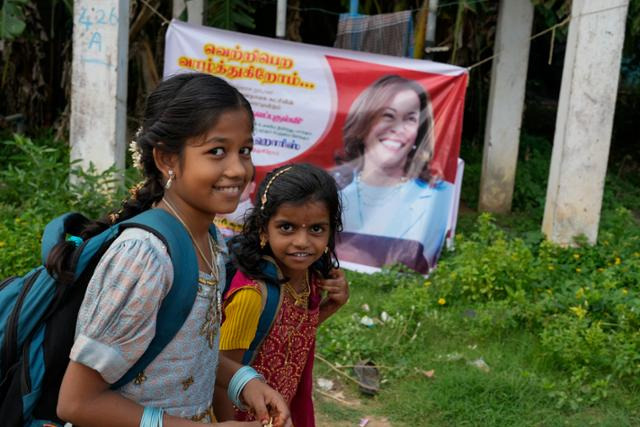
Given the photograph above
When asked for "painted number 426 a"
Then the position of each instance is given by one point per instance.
(100, 17)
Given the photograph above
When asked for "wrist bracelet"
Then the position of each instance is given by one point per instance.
(237, 383)
(151, 417)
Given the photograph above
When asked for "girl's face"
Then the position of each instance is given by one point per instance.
(393, 135)
(298, 235)
(213, 171)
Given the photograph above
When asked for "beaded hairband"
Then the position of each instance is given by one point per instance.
(263, 199)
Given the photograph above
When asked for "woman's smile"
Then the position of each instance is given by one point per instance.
(393, 144)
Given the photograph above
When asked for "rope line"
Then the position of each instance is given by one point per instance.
(551, 29)
(165, 21)
(330, 12)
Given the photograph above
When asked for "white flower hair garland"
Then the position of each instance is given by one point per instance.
(136, 152)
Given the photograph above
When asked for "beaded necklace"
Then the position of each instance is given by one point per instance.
(213, 267)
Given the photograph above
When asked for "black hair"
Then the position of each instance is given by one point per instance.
(182, 107)
(296, 184)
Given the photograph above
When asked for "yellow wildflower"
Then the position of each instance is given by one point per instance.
(580, 293)
(625, 291)
(551, 268)
(427, 284)
(578, 311)
(2, 244)
(600, 270)
(442, 301)
(578, 270)
(618, 260)
(576, 256)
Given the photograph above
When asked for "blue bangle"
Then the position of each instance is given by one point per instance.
(151, 417)
(237, 383)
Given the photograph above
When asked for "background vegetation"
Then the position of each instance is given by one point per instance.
(509, 330)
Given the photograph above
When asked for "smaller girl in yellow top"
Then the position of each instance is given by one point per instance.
(287, 243)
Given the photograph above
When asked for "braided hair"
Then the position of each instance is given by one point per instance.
(182, 107)
(295, 184)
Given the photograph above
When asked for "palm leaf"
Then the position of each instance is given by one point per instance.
(229, 14)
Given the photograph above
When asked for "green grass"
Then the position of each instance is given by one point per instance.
(562, 381)
(513, 393)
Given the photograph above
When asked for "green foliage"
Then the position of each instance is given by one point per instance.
(631, 57)
(580, 305)
(583, 301)
(12, 22)
(553, 11)
(229, 14)
(35, 187)
(532, 173)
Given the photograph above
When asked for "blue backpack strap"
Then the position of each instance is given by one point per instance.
(230, 269)
(177, 304)
(268, 314)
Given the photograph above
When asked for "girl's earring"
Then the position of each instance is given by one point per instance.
(263, 242)
(326, 249)
(170, 180)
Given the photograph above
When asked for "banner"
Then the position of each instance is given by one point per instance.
(388, 129)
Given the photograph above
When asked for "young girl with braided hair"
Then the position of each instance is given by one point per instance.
(286, 249)
(194, 149)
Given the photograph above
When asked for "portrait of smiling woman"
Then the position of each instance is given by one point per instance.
(394, 209)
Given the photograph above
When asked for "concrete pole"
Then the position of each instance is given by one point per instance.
(99, 82)
(195, 12)
(281, 19)
(584, 120)
(431, 23)
(506, 100)
(178, 8)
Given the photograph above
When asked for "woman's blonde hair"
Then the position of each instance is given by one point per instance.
(368, 108)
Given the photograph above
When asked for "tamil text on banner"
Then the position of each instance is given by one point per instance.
(387, 128)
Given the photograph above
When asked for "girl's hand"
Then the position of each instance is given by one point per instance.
(336, 287)
(266, 404)
(337, 290)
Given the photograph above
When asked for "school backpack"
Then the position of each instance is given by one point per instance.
(38, 314)
(270, 304)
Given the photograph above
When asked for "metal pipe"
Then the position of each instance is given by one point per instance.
(353, 7)
(281, 19)
(431, 23)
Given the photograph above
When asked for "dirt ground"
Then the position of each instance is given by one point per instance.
(338, 399)
(323, 421)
